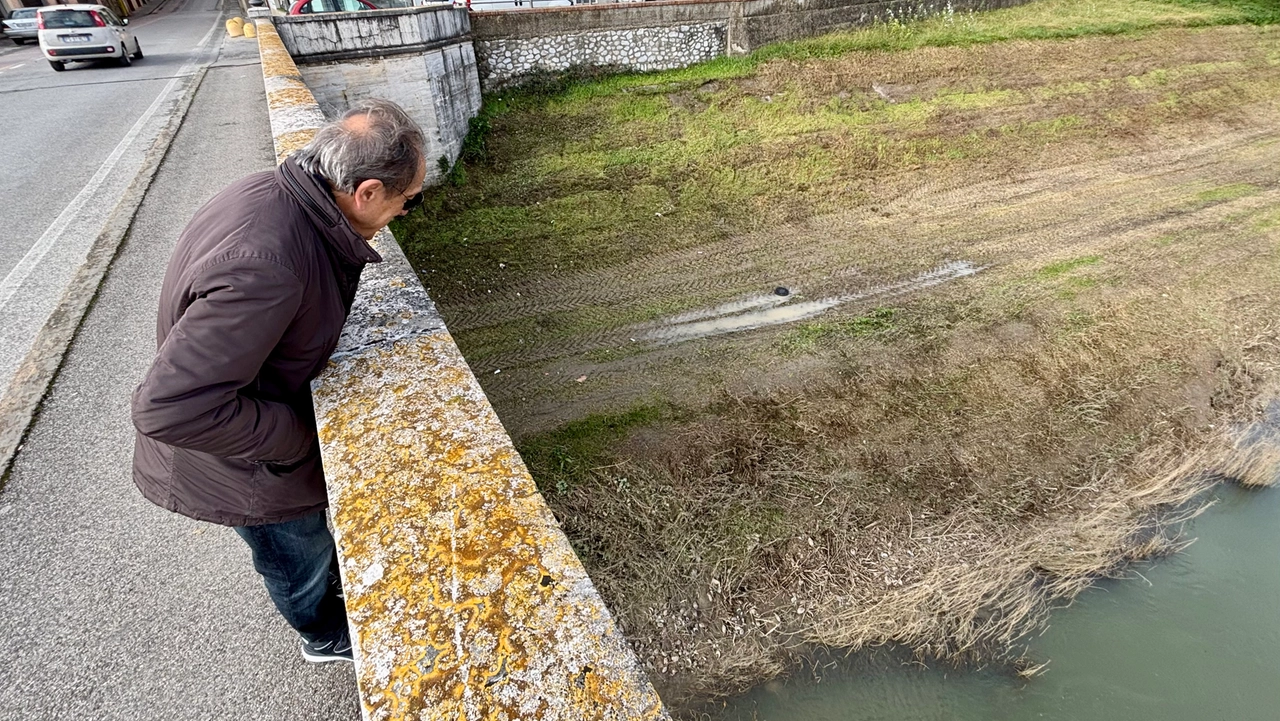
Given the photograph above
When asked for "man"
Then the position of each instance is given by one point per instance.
(253, 302)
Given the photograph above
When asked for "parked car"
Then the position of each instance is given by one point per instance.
(85, 32)
(21, 25)
(306, 7)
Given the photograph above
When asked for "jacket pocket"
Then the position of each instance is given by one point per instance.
(284, 490)
(212, 486)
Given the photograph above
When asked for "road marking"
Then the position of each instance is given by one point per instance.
(20, 272)
(11, 67)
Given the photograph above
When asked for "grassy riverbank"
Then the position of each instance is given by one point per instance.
(1029, 260)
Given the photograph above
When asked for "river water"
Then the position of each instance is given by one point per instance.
(1192, 637)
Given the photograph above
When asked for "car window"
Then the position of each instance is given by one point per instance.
(67, 19)
(24, 14)
(333, 6)
(110, 17)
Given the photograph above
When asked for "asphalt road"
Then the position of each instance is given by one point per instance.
(72, 144)
(112, 608)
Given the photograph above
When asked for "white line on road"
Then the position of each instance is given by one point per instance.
(37, 252)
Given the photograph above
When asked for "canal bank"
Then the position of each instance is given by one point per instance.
(903, 456)
(1190, 637)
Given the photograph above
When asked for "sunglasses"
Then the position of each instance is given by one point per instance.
(413, 201)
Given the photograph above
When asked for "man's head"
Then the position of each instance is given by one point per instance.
(372, 159)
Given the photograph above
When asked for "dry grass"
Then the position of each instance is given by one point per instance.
(947, 514)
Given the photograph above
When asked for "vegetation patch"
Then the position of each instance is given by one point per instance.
(562, 458)
(808, 336)
(1053, 270)
(1227, 192)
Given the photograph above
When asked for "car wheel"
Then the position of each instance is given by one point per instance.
(124, 58)
(57, 65)
(137, 50)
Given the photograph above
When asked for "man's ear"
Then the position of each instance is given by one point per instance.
(368, 191)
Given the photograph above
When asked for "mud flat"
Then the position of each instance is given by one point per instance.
(895, 337)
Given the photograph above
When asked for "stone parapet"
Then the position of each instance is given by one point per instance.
(465, 598)
(295, 115)
(336, 36)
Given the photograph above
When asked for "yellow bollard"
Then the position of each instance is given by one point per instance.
(250, 30)
(235, 27)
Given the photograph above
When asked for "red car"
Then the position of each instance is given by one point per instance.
(307, 7)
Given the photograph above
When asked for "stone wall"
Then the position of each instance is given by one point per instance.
(422, 58)
(514, 44)
(657, 48)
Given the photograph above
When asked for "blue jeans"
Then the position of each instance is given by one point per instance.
(299, 563)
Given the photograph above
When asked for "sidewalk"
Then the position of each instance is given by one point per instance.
(111, 608)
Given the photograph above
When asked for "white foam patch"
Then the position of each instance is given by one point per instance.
(763, 311)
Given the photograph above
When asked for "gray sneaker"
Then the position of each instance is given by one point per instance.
(327, 651)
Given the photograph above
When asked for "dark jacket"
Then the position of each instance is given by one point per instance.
(253, 302)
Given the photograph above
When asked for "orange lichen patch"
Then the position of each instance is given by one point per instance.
(289, 142)
(465, 597)
(290, 97)
(295, 115)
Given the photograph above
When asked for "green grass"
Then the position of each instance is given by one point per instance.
(1227, 192)
(1267, 220)
(807, 337)
(563, 458)
(1063, 274)
(1042, 20)
(578, 172)
(1053, 270)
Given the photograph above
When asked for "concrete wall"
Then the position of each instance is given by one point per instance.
(422, 58)
(660, 35)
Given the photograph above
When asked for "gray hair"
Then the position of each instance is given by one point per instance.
(388, 146)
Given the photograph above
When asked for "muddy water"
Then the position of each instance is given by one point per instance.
(1192, 638)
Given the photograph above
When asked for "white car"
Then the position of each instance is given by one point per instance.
(21, 25)
(85, 32)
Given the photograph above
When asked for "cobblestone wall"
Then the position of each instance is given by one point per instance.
(652, 48)
(513, 44)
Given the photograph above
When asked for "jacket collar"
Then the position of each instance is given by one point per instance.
(313, 195)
